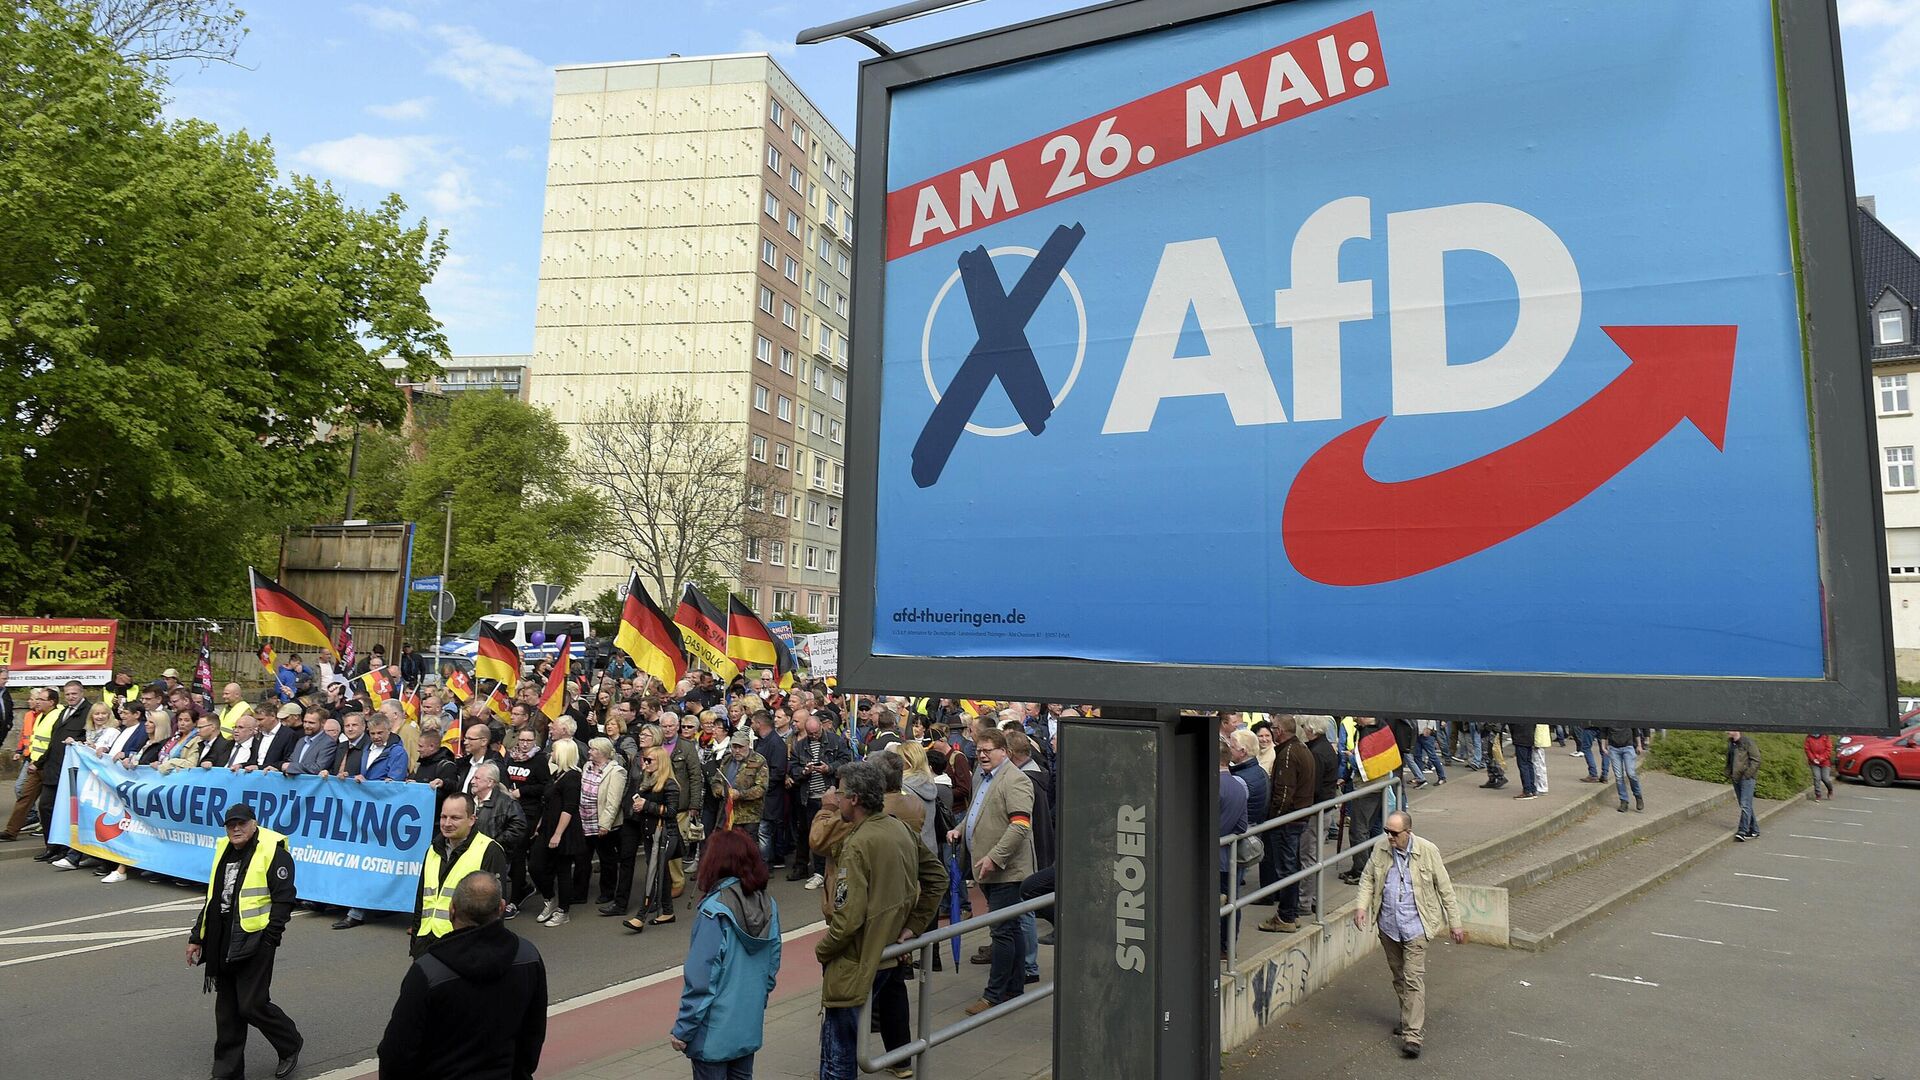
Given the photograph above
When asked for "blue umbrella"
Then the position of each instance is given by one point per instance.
(953, 902)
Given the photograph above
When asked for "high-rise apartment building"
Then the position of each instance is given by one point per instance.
(698, 234)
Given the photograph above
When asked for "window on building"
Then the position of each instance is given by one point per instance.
(773, 159)
(791, 267)
(840, 303)
(820, 380)
(813, 557)
(753, 549)
(753, 597)
(819, 424)
(833, 169)
(845, 264)
(833, 430)
(833, 212)
(800, 415)
(833, 516)
(779, 455)
(794, 179)
(777, 552)
(1893, 395)
(833, 608)
(786, 359)
(773, 206)
(823, 292)
(769, 254)
(813, 511)
(766, 299)
(839, 477)
(1903, 552)
(759, 450)
(819, 470)
(833, 561)
(1899, 461)
(793, 223)
(839, 388)
(784, 408)
(840, 350)
(779, 112)
(1891, 326)
(756, 497)
(826, 339)
(782, 602)
(806, 326)
(787, 313)
(779, 504)
(799, 135)
(826, 247)
(760, 397)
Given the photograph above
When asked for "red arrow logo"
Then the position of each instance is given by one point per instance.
(108, 831)
(1342, 527)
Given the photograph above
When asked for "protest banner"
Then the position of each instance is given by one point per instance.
(49, 652)
(822, 652)
(354, 844)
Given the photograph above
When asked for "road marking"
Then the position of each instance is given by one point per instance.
(1813, 858)
(1845, 810)
(1777, 952)
(1762, 877)
(1701, 940)
(1635, 981)
(1848, 824)
(92, 935)
(1828, 839)
(372, 1065)
(1539, 1038)
(150, 936)
(1743, 907)
(170, 905)
(1872, 798)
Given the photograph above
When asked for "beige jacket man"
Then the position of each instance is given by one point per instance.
(1434, 906)
(1003, 831)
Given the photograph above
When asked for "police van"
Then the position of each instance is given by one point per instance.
(524, 628)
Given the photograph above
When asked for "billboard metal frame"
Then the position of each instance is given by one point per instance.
(1857, 692)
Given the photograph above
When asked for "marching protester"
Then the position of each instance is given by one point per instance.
(526, 778)
(1407, 892)
(740, 783)
(998, 831)
(66, 725)
(456, 851)
(1294, 786)
(559, 844)
(733, 958)
(603, 810)
(474, 1005)
(250, 897)
(655, 807)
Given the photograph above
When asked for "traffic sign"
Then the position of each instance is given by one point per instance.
(544, 595)
(443, 606)
(427, 584)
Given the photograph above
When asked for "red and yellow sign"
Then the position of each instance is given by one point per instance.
(48, 652)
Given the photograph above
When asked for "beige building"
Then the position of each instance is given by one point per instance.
(698, 233)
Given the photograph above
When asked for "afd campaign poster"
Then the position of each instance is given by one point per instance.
(353, 844)
(1414, 334)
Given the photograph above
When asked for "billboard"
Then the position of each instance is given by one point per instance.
(52, 652)
(1397, 356)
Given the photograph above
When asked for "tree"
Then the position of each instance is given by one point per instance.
(181, 335)
(677, 484)
(802, 624)
(156, 31)
(517, 516)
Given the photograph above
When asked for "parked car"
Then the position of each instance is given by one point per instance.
(1881, 759)
(1908, 718)
(521, 627)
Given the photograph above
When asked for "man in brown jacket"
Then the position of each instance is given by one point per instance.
(998, 831)
(1292, 789)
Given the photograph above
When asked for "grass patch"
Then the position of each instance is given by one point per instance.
(1702, 755)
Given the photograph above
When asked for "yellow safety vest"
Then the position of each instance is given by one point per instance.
(231, 713)
(256, 899)
(42, 735)
(436, 893)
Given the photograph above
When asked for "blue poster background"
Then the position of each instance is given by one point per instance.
(353, 844)
(1645, 134)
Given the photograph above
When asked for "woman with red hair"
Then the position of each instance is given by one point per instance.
(731, 962)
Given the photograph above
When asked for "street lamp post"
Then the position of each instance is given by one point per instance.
(446, 556)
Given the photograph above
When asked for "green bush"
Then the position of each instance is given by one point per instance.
(1702, 755)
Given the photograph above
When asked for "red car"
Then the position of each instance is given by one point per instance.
(1880, 759)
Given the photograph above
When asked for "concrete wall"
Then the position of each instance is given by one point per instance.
(1269, 983)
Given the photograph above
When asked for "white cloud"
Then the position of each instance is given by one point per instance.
(1875, 12)
(451, 192)
(483, 303)
(410, 109)
(752, 40)
(1887, 100)
(518, 152)
(386, 162)
(498, 73)
(388, 19)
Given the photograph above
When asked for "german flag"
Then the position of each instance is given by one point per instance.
(553, 699)
(649, 638)
(460, 686)
(749, 642)
(279, 613)
(789, 666)
(1379, 753)
(410, 701)
(496, 657)
(379, 688)
(706, 636)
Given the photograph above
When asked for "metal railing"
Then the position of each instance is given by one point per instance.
(916, 1049)
(1318, 871)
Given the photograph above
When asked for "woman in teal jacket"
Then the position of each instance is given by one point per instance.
(732, 961)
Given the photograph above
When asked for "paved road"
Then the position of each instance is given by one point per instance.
(1792, 956)
(79, 958)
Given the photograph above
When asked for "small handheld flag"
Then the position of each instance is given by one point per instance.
(499, 706)
(267, 658)
(279, 613)
(379, 688)
(460, 686)
(1379, 753)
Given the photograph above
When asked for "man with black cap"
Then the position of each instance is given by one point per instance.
(250, 897)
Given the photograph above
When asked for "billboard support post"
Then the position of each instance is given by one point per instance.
(1139, 989)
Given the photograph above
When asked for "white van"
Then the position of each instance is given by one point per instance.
(521, 626)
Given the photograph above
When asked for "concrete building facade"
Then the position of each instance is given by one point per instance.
(1892, 280)
(698, 234)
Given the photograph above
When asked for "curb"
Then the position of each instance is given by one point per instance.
(1542, 873)
(1530, 942)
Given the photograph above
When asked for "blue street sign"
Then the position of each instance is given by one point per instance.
(427, 584)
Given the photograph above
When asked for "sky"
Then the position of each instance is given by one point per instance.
(448, 101)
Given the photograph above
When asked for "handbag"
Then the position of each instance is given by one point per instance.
(1251, 850)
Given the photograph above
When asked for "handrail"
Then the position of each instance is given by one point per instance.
(925, 944)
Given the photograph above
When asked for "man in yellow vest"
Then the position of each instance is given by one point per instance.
(41, 715)
(233, 706)
(456, 852)
(249, 900)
